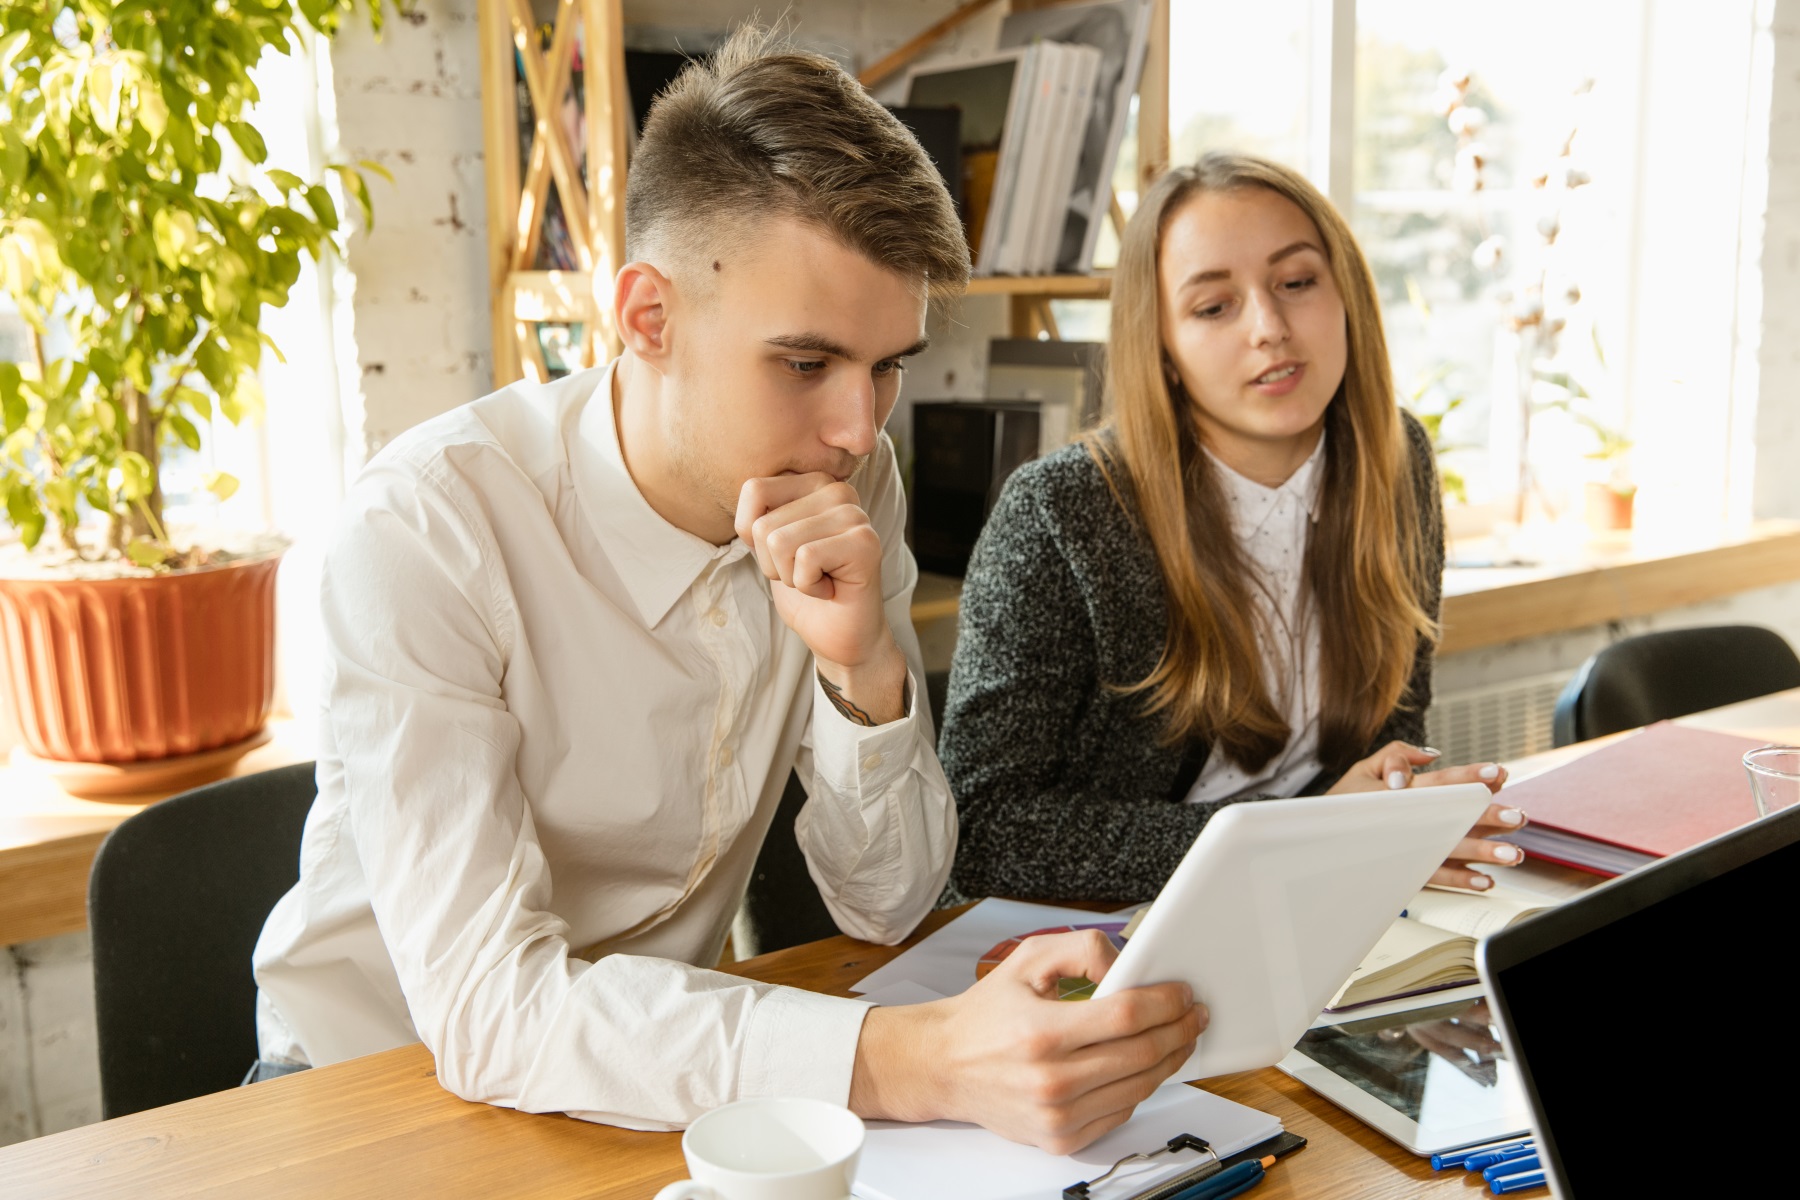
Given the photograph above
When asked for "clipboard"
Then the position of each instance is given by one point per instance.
(1209, 1164)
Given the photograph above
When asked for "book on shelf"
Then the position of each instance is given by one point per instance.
(1120, 31)
(1645, 796)
(1432, 945)
(1042, 121)
(990, 94)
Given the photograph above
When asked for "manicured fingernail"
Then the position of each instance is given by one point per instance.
(1481, 883)
(1509, 854)
(1512, 816)
(1489, 773)
(1396, 780)
(1431, 750)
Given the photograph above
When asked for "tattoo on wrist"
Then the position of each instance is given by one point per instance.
(841, 702)
(854, 714)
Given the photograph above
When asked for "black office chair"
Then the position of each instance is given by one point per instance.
(782, 905)
(176, 901)
(1659, 676)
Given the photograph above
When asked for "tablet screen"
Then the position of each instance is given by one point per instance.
(1442, 1066)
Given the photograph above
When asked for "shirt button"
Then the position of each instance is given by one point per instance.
(725, 756)
(871, 762)
(717, 617)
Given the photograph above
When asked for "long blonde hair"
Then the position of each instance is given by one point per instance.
(1364, 559)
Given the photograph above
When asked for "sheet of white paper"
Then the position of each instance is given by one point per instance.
(945, 961)
(944, 1158)
(903, 991)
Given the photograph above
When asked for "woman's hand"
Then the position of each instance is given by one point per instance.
(1393, 766)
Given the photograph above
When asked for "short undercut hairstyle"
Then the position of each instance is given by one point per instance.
(761, 130)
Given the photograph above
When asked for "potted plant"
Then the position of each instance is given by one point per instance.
(141, 233)
(1609, 501)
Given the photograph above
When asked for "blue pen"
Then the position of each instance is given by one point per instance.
(1524, 1181)
(1498, 1158)
(1229, 1182)
(1456, 1158)
(1512, 1166)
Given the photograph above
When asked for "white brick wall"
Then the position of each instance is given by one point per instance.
(49, 1071)
(412, 102)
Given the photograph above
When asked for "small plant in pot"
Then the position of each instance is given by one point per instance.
(1609, 501)
(141, 235)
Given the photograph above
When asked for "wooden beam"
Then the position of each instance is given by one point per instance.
(500, 150)
(1153, 101)
(547, 138)
(550, 296)
(887, 66)
(608, 110)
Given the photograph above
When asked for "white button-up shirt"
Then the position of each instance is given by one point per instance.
(1272, 526)
(556, 729)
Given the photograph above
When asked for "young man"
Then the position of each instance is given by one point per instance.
(580, 633)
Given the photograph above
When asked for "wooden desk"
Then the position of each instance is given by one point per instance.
(48, 839)
(381, 1127)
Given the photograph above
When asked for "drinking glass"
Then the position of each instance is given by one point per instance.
(1774, 777)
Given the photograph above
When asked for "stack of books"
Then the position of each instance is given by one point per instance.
(1041, 122)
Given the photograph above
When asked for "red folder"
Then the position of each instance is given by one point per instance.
(1656, 792)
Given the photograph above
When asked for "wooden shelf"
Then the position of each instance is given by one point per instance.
(1054, 287)
(593, 200)
(1619, 580)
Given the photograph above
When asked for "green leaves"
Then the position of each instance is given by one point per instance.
(221, 485)
(13, 405)
(177, 234)
(109, 123)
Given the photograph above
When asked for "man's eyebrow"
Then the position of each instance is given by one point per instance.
(818, 343)
(1219, 273)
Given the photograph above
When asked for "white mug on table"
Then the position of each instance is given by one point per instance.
(771, 1149)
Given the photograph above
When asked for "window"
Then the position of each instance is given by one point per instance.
(1646, 210)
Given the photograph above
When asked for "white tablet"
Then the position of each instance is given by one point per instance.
(1277, 902)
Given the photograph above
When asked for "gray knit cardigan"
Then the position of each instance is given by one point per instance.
(1063, 788)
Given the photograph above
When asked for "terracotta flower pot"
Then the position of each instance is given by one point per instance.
(135, 669)
(1608, 508)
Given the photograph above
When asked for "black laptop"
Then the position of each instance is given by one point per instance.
(1651, 1021)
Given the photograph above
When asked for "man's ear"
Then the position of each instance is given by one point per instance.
(641, 302)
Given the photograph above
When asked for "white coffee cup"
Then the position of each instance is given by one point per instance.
(772, 1149)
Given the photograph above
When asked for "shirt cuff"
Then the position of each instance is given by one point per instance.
(859, 760)
(801, 1044)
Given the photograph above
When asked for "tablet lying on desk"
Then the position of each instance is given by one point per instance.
(1277, 902)
(1431, 1078)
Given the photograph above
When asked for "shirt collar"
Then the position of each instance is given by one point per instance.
(1252, 503)
(656, 561)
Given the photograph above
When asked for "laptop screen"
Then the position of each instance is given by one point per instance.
(1650, 1033)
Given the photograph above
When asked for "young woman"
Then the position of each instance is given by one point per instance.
(1229, 591)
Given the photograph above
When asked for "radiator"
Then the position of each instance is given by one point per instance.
(1496, 723)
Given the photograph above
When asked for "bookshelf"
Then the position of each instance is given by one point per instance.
(554, 109)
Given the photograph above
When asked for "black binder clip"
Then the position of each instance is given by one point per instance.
(1176, 1144)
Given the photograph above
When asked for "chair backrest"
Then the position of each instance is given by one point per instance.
(1659, 676)
(782, 906)
(176, 901)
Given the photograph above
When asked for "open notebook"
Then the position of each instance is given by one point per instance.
(944, 1158)
(1432, 945)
